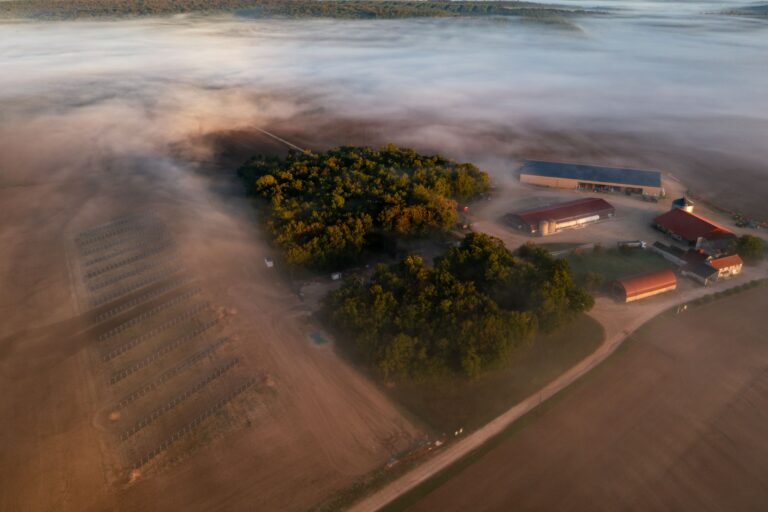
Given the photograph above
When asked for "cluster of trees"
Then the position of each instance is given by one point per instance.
(324, 210)
(388, 9)
(760, 10)
(464, 315)
(750, 248)
(266, 8)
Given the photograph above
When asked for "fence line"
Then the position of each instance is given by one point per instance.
(149, 314)
(177, 283)
(103, 236)
(192, 425)
(168, 266)
(178, 399)
(132, 288)
(139, 244)
(150, 233)
(89, 233)
(125, 347)
(165, 376)
(91, 274)
(164, 349)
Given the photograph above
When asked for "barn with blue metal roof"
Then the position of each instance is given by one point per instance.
(592, 178)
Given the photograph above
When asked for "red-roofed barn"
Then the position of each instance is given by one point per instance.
(696, 231)
(727, 266)
(550, 219)
(638, 287)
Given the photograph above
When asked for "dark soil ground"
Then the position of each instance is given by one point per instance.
(674, 421)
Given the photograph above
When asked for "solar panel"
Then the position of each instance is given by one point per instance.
(592, 173)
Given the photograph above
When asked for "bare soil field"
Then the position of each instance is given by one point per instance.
(150, 361)
(673, 421)
(449, 404)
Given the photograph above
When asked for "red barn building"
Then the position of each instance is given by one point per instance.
(551, 219)
(630, 289)
(697, 232)
(727, 266)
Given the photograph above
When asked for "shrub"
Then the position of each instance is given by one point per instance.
(750, 248)
(593, 281)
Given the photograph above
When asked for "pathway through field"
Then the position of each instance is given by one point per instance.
(619, 321)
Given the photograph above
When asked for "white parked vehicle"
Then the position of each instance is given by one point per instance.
(633, 243)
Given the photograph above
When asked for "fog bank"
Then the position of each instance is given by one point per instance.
(652, 84)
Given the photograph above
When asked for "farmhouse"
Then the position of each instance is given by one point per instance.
(698, 265)
(696, 231)
(591, 177)
(727, 266)
(550, 219)
(630, 289)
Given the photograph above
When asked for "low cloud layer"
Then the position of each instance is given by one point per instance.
(659, 88)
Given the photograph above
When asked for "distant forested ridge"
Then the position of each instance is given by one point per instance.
(351, 9)
(759, 10)
(324, 210)
(465, 315)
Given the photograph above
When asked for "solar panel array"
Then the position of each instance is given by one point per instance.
(169, 369)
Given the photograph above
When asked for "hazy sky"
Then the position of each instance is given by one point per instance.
(85, 91)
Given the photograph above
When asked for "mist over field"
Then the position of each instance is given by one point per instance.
(657, 84)
(162, 349)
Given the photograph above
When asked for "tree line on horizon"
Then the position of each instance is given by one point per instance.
(345, 9)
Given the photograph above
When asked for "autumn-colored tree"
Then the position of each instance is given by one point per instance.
(411, 320)
(325, 210)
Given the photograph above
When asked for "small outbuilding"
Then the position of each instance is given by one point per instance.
(630, 289)
(592, 177)
(702, 273)
(553, 218)
(670, 253)
(698, 265)
(727, 266)
(684, 204)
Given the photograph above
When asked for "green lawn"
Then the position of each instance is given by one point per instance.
(450, 403)
(559, 246)
(613, 264)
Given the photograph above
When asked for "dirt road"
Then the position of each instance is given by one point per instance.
(619, 321)
(676, 421)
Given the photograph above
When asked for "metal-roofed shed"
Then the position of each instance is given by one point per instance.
(695, 230)
(592, 177)
(550, 219)
(700, 272)
(630, 289)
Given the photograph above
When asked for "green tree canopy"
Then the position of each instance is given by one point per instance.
(457, 316)
(348, 9)
(324, 210)
(750, 248)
